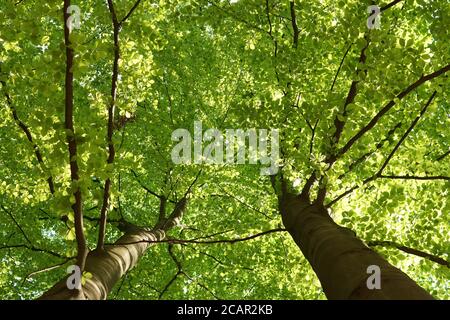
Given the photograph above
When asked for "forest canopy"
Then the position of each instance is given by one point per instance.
(116, 157)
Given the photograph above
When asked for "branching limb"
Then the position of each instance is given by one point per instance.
(180, 206)
(386, 162)
(294, 23)
(353, 91)
(219, 262)
(347, 192)
(405, 135)
(441, 157)
(407, 177)
(339, 126)
(340, 66)
(409, 250)
(368, 154)
(307, 187)
(241, 202)
(393, 3)
(16, 223)
(313, 134)
(147, 189)
(231, 14)
(229, 241)
(52, 267)
(388, 107)
(74, 172)
(111, 120)
(28, 134)
(162, 208)
(275, 42)
(178, 273)
(32, 248)
(213, 235)
(188, 191)
(136, 4)
(112, 10)
(201, 285)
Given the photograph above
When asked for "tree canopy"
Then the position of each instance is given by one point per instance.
(87, 117)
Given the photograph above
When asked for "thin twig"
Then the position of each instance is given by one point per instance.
(16, 223)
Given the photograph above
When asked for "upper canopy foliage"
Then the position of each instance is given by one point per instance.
(243, 65)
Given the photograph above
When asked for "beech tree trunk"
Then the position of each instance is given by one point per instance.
(109, 265)
(339, 258)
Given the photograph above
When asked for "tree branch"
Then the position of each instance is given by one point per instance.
(340, 66)
(393, 3)
(408, 177)
(379, 173)
(347, 192)
(169, 284)
(189, 189)
(378, 146)
(52, 267)
(409, 250)
(201, 285)
(27, 132)
(113, 13)
(162, 208)
(443, 156)
(353, 91)
(214, 234)
(237, 18)
(411, 127)
(147, 189)
(241, 202)
(313, 134)
(17, 224)
(130, 12)
(294, 23)
(340, 124)
(33, 248)
(229, 241)
(111, 120)
(179, 271)
(70, 133)
(388, 106)
(275, 42)
(307, 187)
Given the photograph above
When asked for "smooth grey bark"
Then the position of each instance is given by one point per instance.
(109, 265)
(339, 258)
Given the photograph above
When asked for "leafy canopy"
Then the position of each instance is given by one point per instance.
(230, 65)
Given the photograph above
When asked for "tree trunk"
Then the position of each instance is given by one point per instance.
(108, 266)
(339, 258)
